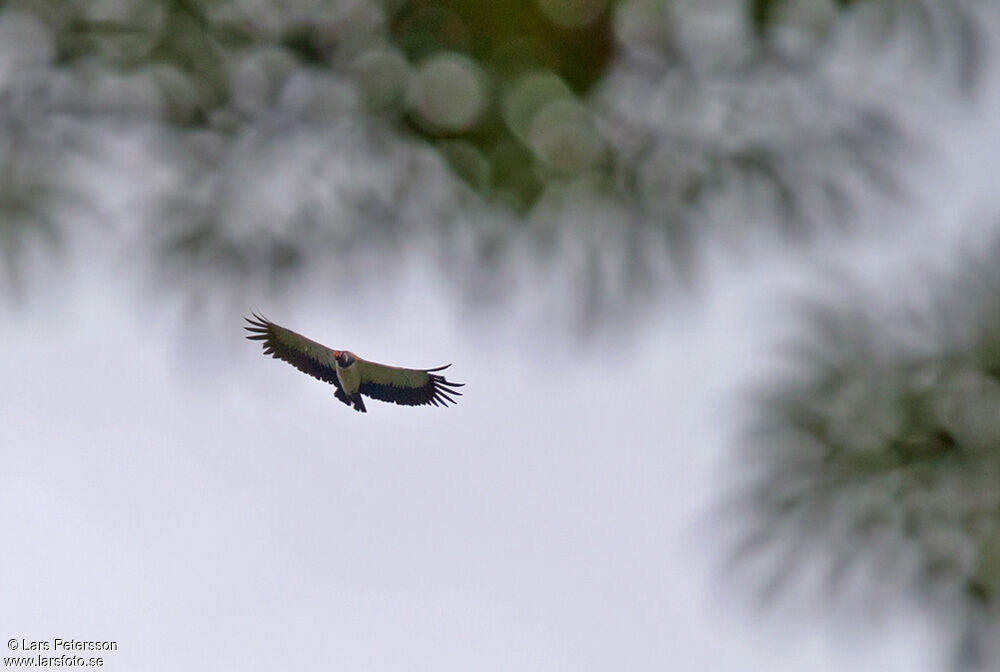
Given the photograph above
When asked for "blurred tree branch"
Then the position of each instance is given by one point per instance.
(666, 115)
(874, 458)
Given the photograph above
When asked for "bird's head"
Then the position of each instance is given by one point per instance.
(343, 357)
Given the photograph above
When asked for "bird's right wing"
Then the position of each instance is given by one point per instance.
(304, 354)
(409, 387)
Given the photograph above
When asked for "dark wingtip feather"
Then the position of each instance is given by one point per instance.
(258, 327)
(257, 330)
(259, 320)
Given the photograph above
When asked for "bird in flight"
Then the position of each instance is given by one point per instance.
(351, 375)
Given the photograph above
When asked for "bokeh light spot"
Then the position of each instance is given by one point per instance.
(384, 75)
(528, 96)
(449, 92)
(563, 135)
(641, 24)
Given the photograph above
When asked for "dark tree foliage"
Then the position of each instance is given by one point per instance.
(872, 459)
(260, 143)
(764, 13)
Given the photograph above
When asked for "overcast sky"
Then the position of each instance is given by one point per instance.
(235, 516)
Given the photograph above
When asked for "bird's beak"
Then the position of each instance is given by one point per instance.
(336, 353)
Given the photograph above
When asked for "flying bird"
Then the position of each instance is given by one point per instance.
(350, 374)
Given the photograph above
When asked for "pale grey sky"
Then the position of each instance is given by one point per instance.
(241, 518)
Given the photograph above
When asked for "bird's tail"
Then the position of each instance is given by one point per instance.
(356, 401)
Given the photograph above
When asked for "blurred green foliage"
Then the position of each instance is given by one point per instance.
(872, 460)
(287, 136)
(509, 42)
(764, 13)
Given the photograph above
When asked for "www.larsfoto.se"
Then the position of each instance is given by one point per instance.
(63, 660)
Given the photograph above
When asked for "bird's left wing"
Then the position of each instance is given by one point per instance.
(409, 387)
(304, 354)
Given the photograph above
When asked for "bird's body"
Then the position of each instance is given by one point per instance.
(349, 376)
(352, 375)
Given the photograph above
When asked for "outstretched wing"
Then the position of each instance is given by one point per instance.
(410, 387)
(304, 354)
